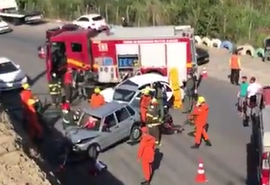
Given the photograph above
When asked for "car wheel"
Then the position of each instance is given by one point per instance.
(135, 133)
(93, 151)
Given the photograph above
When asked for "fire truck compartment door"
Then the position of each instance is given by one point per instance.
(106, 70)
(177, 58)
(127, 49)
(153, 55)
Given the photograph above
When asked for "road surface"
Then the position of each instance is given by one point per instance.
(225, 162)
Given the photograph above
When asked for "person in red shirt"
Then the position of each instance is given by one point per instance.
(68, 82)
(97, 99)
(201, 115)
(146, 154)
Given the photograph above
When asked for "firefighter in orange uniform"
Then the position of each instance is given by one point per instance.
(97, 99)
(146, 155)
(26, 93)
(235, 66)
(34, 127)
(201, 115)
(144, 103)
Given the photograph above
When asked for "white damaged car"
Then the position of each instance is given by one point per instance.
(4, 27)
(11, 75)
(129, 91)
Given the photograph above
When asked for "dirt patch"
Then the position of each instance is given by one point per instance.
(18, 157)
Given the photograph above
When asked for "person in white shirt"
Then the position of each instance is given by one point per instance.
(253, 88)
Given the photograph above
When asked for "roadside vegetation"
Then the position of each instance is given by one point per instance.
(243, 21)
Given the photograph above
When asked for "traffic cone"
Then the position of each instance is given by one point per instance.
(204, 73)
(200, 177)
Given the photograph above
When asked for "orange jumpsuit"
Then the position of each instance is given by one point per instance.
(26, 95)
(144, 103)
(34, 127)
(201, 113)
(96, 100)
(146, 154)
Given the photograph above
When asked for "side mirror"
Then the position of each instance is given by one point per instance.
(41, 52)
(106, 128)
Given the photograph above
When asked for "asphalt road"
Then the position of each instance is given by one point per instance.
(225, 162)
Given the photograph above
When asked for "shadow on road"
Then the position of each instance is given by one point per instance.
(73, 173)
(252, 163)
(32, 81)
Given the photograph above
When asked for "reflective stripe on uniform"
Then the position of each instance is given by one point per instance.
(65, 121)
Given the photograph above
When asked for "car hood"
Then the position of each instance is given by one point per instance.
(108, 94)
(12, 76)
(3, 24)
(76, 134)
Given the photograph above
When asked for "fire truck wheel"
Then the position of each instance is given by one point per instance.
(93, 151)
(135, 133)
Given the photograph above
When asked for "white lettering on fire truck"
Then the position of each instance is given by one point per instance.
(150, 41)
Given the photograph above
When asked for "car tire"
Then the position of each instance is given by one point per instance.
(135, 133)
(93, 151)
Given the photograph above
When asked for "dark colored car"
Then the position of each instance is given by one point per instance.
(203, 56)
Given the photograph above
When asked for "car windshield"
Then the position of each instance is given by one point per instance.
(97, 18)
(123, 95)
(90, 122)
(7, 67)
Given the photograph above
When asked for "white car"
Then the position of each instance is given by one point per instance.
(11, 76)
(4, 27)
(92, 21)
(129, 91)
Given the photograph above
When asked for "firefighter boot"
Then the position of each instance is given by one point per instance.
(208, 143)
(145, 182)
(196, 146)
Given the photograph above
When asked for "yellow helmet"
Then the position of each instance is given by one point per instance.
(201, 99)
(31, 102)
(26, 86)
(147, 90)
(97, 90)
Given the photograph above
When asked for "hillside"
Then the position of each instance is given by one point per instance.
(16, 168)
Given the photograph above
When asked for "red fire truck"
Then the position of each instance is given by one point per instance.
(122, 51)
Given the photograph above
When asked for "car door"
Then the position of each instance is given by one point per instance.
(109, 131)
(125, 121)
(83, 22)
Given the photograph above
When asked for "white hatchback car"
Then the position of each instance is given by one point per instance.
(11, 76)
(4, 27)
(129, 91)
(92, 21)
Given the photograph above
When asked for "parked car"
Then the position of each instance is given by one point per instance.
(11, 75)
(4, 27)
(202, 56)
(92, 21)
(129, 91)
(103, 127)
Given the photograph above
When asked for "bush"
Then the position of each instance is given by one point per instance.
(228, 19)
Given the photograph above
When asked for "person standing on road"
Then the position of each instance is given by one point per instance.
(55, 89)
(145, 101)
(242, 95)
(153, 121)
(201, 115)
(235, 66)
(67, 116)
(97, 99)
(34, 127)
(80, 82)
(146, 155)
(68, 83)
(189, 93)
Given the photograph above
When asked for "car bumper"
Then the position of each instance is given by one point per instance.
(4, 86)
(5, 29)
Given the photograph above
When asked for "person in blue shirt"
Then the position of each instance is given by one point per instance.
(242, 95)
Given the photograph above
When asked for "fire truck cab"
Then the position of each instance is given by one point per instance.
(122, 52)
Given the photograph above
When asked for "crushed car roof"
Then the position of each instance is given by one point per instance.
(104, 110)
